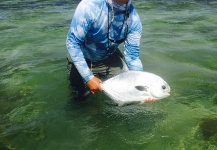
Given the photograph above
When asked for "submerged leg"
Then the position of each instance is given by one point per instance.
(103, 69)
(77, 84)
(109, 67)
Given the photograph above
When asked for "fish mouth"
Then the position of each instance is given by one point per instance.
(167, 94)
(168, 91)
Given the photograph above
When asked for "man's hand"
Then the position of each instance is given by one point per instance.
(94, 85)
(150, 99)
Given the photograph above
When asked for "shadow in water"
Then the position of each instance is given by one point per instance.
(3, 147)
(209, 130)
(127, 125)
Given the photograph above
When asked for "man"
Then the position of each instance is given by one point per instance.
(96, 30)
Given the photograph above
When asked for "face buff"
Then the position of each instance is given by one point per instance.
(118, 7)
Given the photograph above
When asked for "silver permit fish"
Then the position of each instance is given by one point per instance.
(135, 86)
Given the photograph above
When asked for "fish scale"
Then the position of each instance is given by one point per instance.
(135, 86)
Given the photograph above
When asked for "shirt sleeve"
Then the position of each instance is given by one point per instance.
(131, 45)
(76, 37)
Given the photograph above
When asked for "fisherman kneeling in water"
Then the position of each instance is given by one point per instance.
(97, 29)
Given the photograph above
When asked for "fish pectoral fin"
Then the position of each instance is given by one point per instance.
(141, 88)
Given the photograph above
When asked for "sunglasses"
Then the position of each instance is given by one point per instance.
(110, 40)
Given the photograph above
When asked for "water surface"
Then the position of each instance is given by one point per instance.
(179, 43)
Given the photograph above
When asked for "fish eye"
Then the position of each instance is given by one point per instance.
(164, 87)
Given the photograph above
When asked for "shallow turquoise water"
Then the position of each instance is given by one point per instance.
(36, 109)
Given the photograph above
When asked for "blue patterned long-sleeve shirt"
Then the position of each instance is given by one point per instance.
(88, 39)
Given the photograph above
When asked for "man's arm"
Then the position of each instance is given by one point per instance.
(76, 37)
(131, 45)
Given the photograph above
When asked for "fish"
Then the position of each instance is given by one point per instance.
(135, 86)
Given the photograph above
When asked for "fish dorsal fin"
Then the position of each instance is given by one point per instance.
(141, 88)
